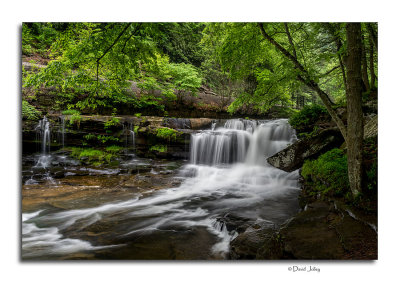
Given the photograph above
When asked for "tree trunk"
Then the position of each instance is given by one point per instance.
(355, 129)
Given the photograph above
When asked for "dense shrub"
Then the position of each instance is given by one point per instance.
(95, 156)
(166, 133)
(112, 123)
(29, 111)
(327, 174)
(159, 148)
(74, 116)
(305, 120)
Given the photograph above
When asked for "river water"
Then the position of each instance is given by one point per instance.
(226, 183)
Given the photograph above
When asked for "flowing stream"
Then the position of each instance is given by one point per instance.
(227, 182)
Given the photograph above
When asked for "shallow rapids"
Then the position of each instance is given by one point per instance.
(227, 177)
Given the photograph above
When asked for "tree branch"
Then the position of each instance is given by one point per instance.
(307, 80)
(290, 40)
(107, 50)
(331, 70)
(339, 45)
(132, 34)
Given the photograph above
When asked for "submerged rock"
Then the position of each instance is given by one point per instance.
(293, 156)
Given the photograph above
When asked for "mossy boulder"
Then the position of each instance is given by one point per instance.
(293, 156)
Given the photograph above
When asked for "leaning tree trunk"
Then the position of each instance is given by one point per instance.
(355, 129)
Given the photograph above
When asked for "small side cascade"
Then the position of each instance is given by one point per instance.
(213, 124)
(43, 133)
(133, 138)
(132, 134)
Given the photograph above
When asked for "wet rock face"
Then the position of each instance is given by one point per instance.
(293, 157)
(177, 123)
(201, 123)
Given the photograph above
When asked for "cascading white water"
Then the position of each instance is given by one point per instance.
(228, 175)
(132, 133)
(129, 135)
(43, 130)
(44, 134)
(213, 124)
(231, 143)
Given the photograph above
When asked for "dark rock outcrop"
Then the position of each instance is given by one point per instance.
(177, 123)
(323, 231)
(293, 156)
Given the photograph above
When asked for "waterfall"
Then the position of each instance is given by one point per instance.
(43, 131)
(226, 180)
(241, 124)
(240, 141)
(213, 124)
(43, 134)
(132, 134)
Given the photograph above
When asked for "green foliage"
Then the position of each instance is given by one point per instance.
(30, 112)
(94, 156)
(114, 149)
(38, 37)
(169, 78)
(93, 62)
(159, 148)
(135, 129)
(90, 136)
(185, 77)
(181, 42)
(327, 175)
(107, 139)
(166, 133)
(112, 123)
(305, 119)
(311, 134)
(73, 116)
(71, 112)
(102, 139)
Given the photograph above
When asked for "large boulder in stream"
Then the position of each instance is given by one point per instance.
(293, 156)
